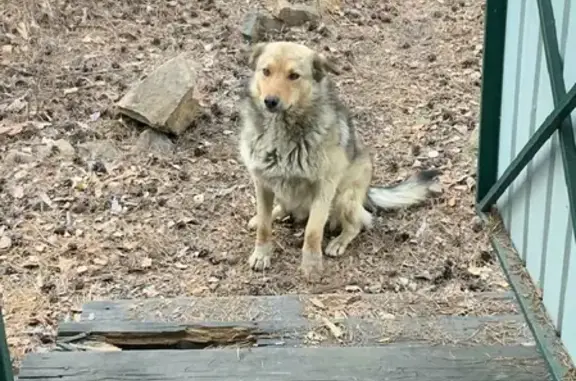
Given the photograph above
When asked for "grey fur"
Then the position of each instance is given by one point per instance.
(308, 157)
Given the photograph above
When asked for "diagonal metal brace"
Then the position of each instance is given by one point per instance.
(541, 136)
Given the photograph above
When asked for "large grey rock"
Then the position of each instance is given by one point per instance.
(165, 99)
(257, 24)
(296, 14)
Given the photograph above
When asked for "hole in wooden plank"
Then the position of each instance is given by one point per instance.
(152, 336)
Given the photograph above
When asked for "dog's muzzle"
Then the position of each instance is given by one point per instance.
(272, 103)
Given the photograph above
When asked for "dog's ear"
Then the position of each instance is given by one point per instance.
(321, 65)
(256, 52)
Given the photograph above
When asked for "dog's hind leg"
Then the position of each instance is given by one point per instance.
(352, 217)
(350, 229)
(348, 206)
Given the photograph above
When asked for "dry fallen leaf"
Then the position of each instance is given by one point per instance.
(334, 329)
(101, 261)
(70, 90)
(23, 30)
(318, 303)
(13, 129)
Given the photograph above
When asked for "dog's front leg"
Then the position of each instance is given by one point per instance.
(260, 258)
(312, 249)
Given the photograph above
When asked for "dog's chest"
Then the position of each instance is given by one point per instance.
(277, 158)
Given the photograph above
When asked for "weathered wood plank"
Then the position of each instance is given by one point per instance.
(392, 363)
(293, 307)
(233, 308)
(509, 330)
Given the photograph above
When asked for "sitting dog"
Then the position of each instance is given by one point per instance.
(301, 149)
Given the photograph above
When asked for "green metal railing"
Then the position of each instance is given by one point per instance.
(5, 363)
(490, 187)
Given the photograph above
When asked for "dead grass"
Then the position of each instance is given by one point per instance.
(411, 74)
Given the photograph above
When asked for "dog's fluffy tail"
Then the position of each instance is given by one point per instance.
(409, 192)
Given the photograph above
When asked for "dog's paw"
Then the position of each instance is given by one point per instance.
(336, 247)
(312, 266)
(261, 257)
(253, 223)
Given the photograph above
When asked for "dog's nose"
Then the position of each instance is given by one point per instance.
(271, 102)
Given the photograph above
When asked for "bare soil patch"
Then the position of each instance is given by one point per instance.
(87, 214)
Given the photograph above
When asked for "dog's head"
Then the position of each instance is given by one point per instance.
(286, 75)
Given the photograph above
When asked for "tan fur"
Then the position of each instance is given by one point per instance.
(306, 155)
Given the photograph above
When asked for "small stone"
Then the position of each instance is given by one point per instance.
(5, 242)
(101, 261)
(165, 99)
(31, 263)
(81, 270)
(433, 154)
(257, 24)
(16, 157)
(99, 150)
(65, 148)
(424, 275)
(385, 18)
(18, 192)
(7, 49)
(403, 281)
(374, 289)
(435, 188)
(154, 141)
(146, 263)
(296, 14)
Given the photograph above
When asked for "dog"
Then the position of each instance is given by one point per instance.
(299, 144)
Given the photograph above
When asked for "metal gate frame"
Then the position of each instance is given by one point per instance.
(489, 186)
(5, 363)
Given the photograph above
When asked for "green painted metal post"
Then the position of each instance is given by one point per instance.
(491, 98)
(5, 363)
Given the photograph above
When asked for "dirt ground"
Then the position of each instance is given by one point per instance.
(87, 214)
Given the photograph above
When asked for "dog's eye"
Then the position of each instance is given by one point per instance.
(266, 72)
(293, 76)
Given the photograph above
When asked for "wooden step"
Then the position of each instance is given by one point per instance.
(395, 362)
(295, 337)
(296, 320)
